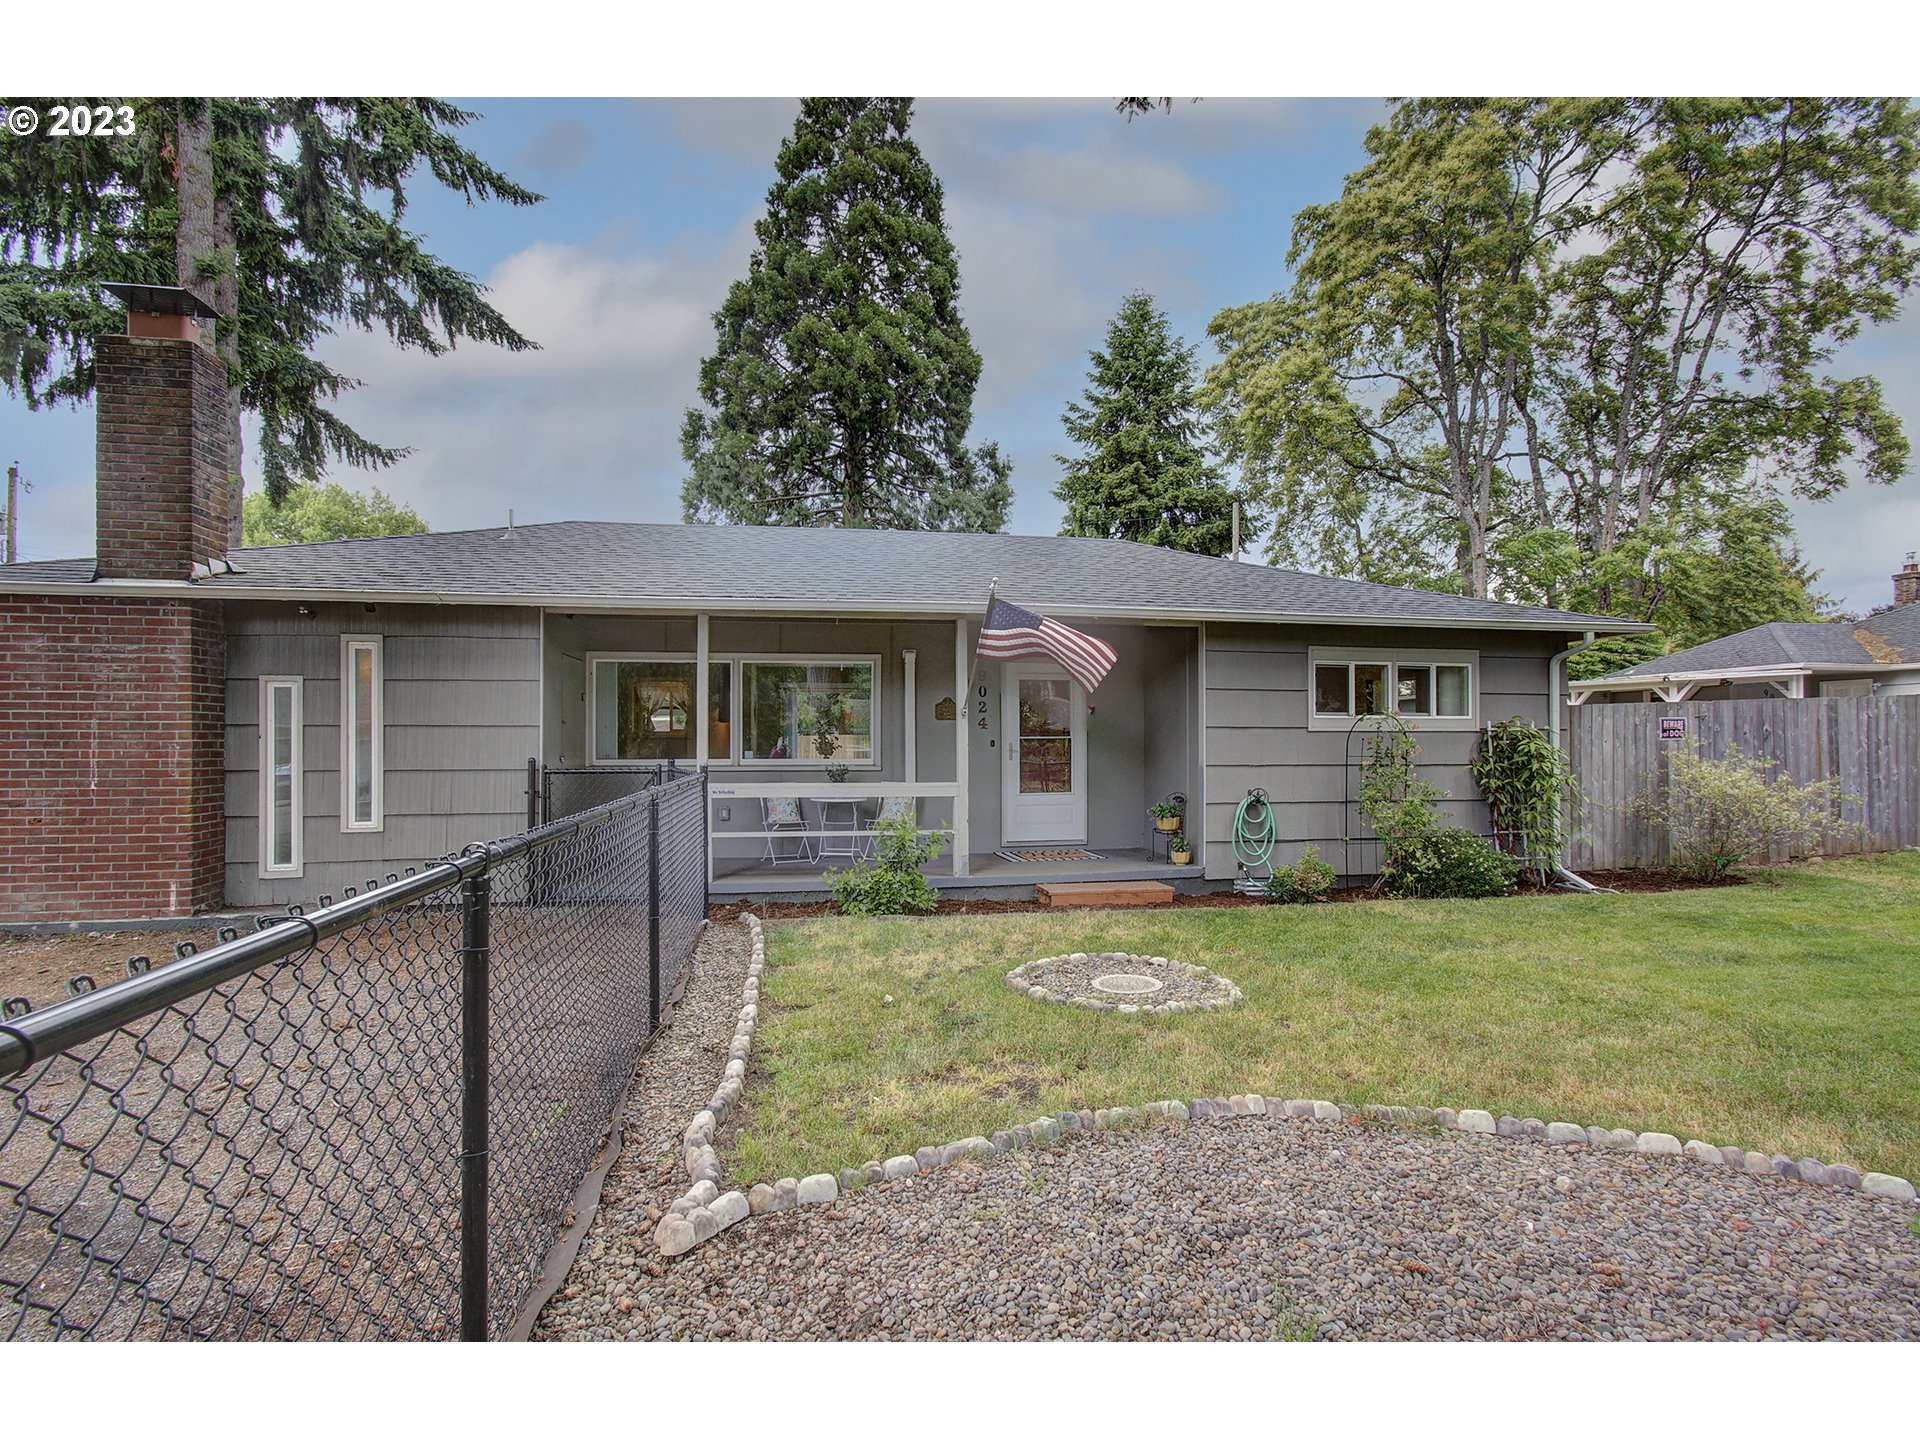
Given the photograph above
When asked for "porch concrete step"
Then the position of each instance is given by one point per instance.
(1105, 894)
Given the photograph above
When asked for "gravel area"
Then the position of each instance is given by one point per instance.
(672, 1081)
(1171, 986)
(1251, 1228)
(1258, 1229)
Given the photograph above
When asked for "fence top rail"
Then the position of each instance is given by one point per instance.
(30, 1038)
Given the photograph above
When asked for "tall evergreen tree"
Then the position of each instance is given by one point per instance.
(1143, 472)
(841, 387)
(284, 213)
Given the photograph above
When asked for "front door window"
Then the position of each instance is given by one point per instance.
(1046, 737)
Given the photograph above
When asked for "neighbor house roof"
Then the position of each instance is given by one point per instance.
(743, 568)
(1890, 639)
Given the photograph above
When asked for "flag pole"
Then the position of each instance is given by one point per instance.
(966, 700)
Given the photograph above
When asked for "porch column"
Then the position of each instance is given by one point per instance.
(909, 717)
(701, 729)
(701, 698)
(963, 709)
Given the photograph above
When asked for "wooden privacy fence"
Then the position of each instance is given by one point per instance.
(1870, 744)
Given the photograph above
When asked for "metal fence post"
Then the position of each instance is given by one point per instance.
(706, 844)
(475, 908)
(533, 793)
(653, 912)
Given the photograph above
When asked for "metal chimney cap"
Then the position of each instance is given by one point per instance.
(161, 299)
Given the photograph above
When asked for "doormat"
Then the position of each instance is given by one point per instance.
(1033, 857)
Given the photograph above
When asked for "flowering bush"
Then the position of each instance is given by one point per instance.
(1451, 863)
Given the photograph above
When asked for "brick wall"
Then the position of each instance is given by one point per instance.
(112, 758)
(160, 457)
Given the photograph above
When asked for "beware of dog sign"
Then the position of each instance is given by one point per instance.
(1673, 727)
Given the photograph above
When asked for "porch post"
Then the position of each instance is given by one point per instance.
(702, 731)
(701, 698)
(909, 717)
(962, 721)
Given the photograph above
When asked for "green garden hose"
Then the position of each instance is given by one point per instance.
(1253, 834)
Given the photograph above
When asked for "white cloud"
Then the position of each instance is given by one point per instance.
(587, 426)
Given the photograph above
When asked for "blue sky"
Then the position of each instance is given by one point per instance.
(1057, 208)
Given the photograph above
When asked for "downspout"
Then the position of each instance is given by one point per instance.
(1555, 668)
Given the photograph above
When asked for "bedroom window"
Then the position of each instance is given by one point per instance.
(807, 711)
(280, 774)
(362, 761)
(1434, 688)
(643, 709)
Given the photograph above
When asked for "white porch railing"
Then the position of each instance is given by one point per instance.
(818, 794)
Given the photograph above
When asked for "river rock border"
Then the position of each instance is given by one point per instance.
(1027, 979)
(703, 1211)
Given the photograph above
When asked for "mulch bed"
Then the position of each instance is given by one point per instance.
(1639, 882)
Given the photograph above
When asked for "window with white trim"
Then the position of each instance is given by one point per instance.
(803, 711)
(280, 774)
(641, 709)
(1434, 688)
(807, 710)
(362, 746)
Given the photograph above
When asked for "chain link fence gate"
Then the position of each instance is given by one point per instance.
(363, 1122)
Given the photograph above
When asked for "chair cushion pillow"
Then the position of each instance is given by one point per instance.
(784, 812)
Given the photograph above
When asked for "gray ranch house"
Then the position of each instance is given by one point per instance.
(383, 697)
(185, 725)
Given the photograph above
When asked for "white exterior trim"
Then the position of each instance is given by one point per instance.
(296, 776)
(378, 820)
(1318, 655)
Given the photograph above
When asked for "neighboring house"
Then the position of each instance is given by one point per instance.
(1879, 655)
(182, 728)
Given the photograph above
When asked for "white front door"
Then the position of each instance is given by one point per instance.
(1044, 774)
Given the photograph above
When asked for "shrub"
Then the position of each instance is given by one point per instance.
(1720, 813)
(1308, 879)
(1527, 780)
(889, 882)
(1455, 864)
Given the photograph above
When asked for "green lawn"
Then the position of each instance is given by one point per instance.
(1782, 1015)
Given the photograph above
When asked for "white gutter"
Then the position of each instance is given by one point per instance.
(1555, 668)
(678, 605)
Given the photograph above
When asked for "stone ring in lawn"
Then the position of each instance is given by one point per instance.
(1124, 984)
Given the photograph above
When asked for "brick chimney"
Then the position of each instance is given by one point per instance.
(1906, 582)
(160, 398)
(113, 706)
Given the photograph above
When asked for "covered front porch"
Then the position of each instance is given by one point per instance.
(813, 731)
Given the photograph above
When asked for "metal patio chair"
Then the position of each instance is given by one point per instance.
(785, 815)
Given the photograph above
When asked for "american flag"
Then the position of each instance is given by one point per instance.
(1011, 632)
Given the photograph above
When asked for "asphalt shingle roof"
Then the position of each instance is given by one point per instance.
(740, 566)
(1828, 642)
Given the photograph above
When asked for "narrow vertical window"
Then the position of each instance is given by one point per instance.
(361, 761)
(280, 808)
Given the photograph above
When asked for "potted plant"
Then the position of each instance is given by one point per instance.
(1166, 818)
(1180, 850)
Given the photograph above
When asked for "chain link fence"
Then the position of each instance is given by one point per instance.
(363, 1122)
(564, 791)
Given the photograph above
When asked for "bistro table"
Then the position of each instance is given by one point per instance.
(833, 841)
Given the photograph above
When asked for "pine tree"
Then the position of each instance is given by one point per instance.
(841, 387)
(1143, 472)
(283, 212)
